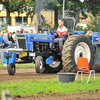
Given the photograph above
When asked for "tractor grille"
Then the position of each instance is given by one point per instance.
(21, 41)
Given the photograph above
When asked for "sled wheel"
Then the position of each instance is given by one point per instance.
(11, 69)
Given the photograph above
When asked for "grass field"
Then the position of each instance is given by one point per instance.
(20, 65)
(30, 87)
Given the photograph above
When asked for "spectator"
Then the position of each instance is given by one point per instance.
(89, 34)
(26, 31)
(5, 38)
(21, 30)
(1, 37)
(13, 36)
(10, 38)
(31, 31)
(1, 33)
(17, 32)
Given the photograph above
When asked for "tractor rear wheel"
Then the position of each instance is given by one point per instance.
(39, 64)
(76, 46)
(11, 69)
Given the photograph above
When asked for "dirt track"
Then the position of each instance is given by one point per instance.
(30, 74)
(24, 74)
(90, 95)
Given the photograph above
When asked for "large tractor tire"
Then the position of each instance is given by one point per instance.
(39, 64)
(77, 46)
(11, 69)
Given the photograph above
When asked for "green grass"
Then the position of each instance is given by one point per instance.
(20, 65)
(30, 87)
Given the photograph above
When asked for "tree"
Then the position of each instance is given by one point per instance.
(93, 24)
(74, 6)
(90, 6)
(19, 6)
(55, 5)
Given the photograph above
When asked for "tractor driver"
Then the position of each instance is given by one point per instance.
(62, 35)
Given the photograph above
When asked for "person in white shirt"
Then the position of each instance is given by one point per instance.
(62, 35)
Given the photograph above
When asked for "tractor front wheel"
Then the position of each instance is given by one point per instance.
(39, 64)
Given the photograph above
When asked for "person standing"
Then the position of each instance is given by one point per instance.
(5, 38)
(10, 38)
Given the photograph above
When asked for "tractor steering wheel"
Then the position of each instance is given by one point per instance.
(56, 35)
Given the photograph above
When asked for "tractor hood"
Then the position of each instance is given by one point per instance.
(25, 40)
(75, 32)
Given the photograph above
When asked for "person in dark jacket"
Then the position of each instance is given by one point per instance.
(10, 38)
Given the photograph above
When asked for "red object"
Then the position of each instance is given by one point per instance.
(61, 33)
(60, 48)
(83, 67)
(82, 64)
(70, 1)
(3, 0)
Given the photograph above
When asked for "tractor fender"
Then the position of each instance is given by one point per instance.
(9, 57)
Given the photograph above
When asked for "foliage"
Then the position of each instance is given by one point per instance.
(20, 65)
(93, 24)
(55, 5)
(32, 87)
(87, 6)
(74, 7)
(18, 6)
(79, 28)
(30, 25)
(46, 24)
(25, 24)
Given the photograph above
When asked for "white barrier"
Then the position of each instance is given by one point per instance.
(15, 28)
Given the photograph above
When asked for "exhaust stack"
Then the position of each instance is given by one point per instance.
(39, 6)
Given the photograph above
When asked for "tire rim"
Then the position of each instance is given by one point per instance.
(41, 65)
(55, 64)
(82, 50)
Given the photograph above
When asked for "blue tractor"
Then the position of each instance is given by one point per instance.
(35, 48)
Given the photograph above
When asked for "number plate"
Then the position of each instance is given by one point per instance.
(22, 55)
